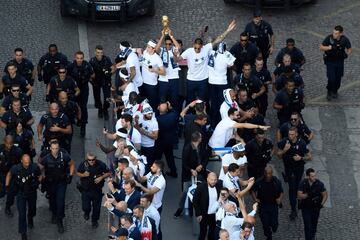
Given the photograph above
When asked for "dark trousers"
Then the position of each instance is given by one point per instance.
(167, 150)
(216, 98)
(310, 218)
(334, 72)
(294, 175)
(82, 100)
(91, 199)
(105, 87)
(26, 202)
(151, 93)
(207, 221)
(196, 89)
(269, 219)
(2, 185)
(57, 193)
(159, 236)
(10, 196)
(169, 91)
(149, 153)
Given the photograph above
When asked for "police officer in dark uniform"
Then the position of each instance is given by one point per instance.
(312, 195)
(287, 74)
(54, 125)
(294, 152)
(295, 121)
(260, 33)
(16, 114)
(71, 110)
(13, 78)
(10, 155)
(24, 139)
(244, 52)
(24, 66)
(102, 81)
(26, 178)
(15, 94)
(296, 54)
(57, 170)
(92, 173)
(280, 69)
(49, 63)
(251, 83)
(258, 152)
(336, 48)
(61, 82)
(82, 72)
(265, 77)
(288, 100)
(268, 192)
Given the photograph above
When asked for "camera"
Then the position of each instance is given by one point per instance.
(150, 67)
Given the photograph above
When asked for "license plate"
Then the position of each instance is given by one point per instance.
(107, 8)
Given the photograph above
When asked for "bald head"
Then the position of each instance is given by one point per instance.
(63, 97)
(54, 109)
(268, 173)
(211, 179)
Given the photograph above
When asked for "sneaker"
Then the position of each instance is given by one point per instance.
(86, 216)
(106, 115)
(100, 113)
(8, 212)
(178, 213)
(31, 223)
(60, 226)
(94, 225)
(293, 215)
(23, 236)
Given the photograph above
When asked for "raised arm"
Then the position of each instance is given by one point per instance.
(224, 34)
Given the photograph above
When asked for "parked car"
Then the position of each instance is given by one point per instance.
(107, 9)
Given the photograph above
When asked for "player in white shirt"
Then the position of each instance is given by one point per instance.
(219, 61)
(155, 184)
(148, 127)
(168, 84)
(197, 59)
(152, 67)
(232, 181)
(126, 86)
(224, 131)
(229, 97)
(237, 156)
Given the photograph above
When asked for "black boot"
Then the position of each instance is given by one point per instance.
(60, 226)
(30, 222)
(94, 224)
(8, 212)
(23, 236)
(106, 115)
(83, 130)
(100, 113)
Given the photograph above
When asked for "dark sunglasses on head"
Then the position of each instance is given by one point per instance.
(15, 90)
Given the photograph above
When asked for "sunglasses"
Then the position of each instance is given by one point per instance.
(293, 119)
(91, 159)
(243, 40)
(15, 90)
(62, 72)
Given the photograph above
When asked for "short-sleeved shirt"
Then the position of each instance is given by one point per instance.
(246, 54)
(267, 191)
(26, 179)
(50, 64)
(259, 34)
(9, 157)
(10, 118)
(297, 57)
(67, 85)
(221, 62)
(258, 155)
(133, 61)
(247, 105)
(264, 75)
(97, 170)
(8, 82)
(227, 159)
(337, 53)
(158, 182)
(222, 133)
(314, 192)
(303, 130)
(149, 126)
(299, 147)
(150, 78)
(70, 109)
(58, 165)
(23, 140)
(171, 68)
(24, 68)
(102, 69)
(291, 103)
(24, 101)
(197, 62)
(281, 80)
(81, 74)
(231, 182)
(251, 84)
(280, 69)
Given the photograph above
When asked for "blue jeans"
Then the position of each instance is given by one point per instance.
(169, 91)
(151, 93)
(216, 98)
(196, 89)
(26, 202)
(334, 72)
(310, 218)
(92, 198)
(57, 193)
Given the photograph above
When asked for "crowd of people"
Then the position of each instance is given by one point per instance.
(213, 98)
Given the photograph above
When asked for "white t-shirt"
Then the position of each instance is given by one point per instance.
(129, 88)
(197, 62)
(213, 197)
(149, 126)
(222, 133)
(231, 182)
(158, 182)
(227, 159)
(153, 213)
(133, 61)
(153, 60)
(171, 73)
(217, 74)
(139, 166)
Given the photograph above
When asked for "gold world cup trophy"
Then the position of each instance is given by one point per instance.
(165, 23)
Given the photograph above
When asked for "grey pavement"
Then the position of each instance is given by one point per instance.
(35, 24)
